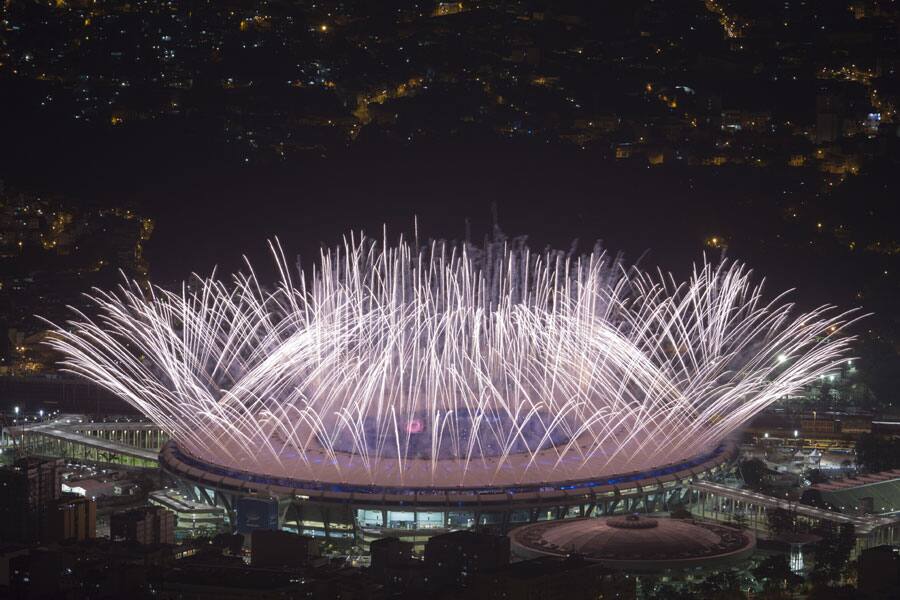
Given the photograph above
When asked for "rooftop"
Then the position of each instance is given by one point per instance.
(649, 543)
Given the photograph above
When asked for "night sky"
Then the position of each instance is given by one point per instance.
(210, 212)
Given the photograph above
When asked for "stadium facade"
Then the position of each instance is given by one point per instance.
(365, 513)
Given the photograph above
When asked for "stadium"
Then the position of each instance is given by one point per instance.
(408, 390)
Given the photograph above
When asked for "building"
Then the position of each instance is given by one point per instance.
(453, 558)
(879, 572)
(874, 493)
(42, 573)
(228, 578)
(29, 491)
(90, 487)
(813, 425)
(552, 578)
(830, 108)
(467, 564)
(148, 525)
(281, 549)
(367, 513)
(635, 543)
(828, 425)
(75, 518)
(7, 553)
(95, 568)
(389, 554)
(394, 566)
(192, 518)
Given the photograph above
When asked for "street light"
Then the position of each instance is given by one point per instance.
(16, 410)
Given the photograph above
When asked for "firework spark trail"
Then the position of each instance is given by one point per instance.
(452, 365)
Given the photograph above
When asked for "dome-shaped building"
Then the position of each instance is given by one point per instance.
(636, 543)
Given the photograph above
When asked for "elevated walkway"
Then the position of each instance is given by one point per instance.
(709, 499)
(72, 437)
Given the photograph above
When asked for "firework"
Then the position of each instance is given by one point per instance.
(450, 365)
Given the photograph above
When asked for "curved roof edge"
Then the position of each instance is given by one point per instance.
(180, 463)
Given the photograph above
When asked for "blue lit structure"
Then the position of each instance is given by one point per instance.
(363, 513)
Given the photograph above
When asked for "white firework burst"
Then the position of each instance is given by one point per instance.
(451, 365)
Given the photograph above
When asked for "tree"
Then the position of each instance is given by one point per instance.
(724, 585)
(668, 591)
(781, 521)
(754, 473)
(833, 552)
(825, 592)
(826, 397)
(233, 543)
(775, 573)
(876, 453)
